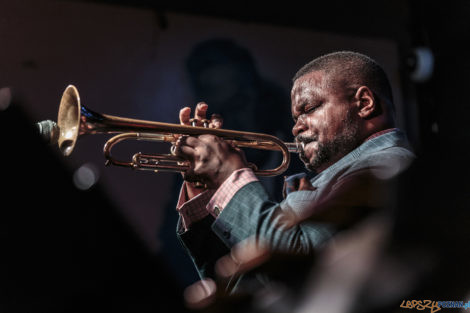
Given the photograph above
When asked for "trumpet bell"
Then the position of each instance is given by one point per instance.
(68, 120)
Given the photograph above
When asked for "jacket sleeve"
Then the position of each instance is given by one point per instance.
(202, 245)
(251, 214)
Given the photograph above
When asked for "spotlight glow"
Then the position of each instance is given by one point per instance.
(85, 176)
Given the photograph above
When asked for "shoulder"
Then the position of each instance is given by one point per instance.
(385, 163)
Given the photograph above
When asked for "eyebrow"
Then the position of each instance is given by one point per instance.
(304, 101)
(299, 108)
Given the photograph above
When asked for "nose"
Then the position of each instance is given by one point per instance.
(299, 126)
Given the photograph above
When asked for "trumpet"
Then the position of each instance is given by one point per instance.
(75, 120)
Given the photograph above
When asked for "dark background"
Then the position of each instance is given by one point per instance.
(67, 250)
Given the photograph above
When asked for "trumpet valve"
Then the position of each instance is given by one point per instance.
(194, 121)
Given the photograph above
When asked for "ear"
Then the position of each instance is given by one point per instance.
(366, 102)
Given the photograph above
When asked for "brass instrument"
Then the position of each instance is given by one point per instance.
(75, 120)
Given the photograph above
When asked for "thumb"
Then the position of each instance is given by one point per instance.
(304, 184)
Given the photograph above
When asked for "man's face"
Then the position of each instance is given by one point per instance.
(326, 126)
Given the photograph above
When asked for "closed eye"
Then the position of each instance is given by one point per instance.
(306, 109)
(311, 107)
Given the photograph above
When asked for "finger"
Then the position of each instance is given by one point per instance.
(250, 254)
(182, 149)
(185, 115)
(200, 294)
(207, 138)
(216, 121)
(211, 142)
(240, 151)
(192, 142)
(185, 152)
(186, 140)
(305, 184)
(233, 144)
(200, 113)
(284, 188)
(242, 258)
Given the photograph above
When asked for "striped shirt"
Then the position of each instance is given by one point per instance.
(212, 201)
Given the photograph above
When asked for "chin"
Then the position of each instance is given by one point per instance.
(310, 164)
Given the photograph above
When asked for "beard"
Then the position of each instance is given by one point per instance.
(332, 150)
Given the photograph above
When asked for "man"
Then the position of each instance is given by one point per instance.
(343, 115)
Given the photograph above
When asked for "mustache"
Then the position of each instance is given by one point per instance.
(305, 138)
(302, 140)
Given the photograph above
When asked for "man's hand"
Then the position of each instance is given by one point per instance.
(200, 117)
(212, 159)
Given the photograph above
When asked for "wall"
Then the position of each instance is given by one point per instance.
(129, 62)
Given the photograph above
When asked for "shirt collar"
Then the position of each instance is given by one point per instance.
(381, 133)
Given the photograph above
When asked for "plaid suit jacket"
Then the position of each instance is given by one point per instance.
(359, 183)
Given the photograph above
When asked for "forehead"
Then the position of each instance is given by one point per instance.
(315, 78)
(313, 84)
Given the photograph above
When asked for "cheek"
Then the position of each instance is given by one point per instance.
(317, 124)
(329, 125)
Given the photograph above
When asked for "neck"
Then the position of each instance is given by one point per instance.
(376, 125)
